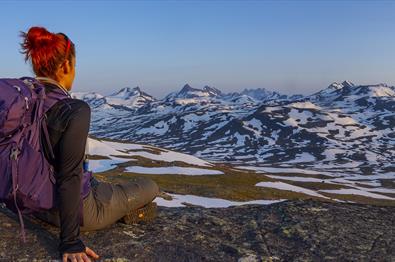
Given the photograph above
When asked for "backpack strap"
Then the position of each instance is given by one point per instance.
(14, 157)
(52, 96)
(14, 169)
(47, 139)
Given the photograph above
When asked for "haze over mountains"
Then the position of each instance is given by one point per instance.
(342, 128)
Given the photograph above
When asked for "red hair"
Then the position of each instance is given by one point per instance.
(46, 51)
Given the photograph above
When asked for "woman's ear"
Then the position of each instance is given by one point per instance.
(67, 66)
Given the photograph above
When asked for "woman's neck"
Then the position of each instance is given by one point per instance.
(52, 81)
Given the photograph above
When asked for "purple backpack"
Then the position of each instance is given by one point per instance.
(27, 180)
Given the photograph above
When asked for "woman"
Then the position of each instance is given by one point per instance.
(53, 60)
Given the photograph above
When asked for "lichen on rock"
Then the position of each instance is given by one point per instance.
(304, 230)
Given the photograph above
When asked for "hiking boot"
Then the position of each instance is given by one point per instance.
(145, 214)
(165, 196)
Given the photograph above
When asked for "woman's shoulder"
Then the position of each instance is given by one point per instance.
(66, 111)
(70, 105)
(75, 104)
(67, 103)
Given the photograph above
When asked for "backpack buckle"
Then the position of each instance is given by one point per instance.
(14, 153)
(29, 83)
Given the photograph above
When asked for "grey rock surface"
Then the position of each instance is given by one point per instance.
(288, 231)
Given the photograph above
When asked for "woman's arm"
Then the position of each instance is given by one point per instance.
(69, 153)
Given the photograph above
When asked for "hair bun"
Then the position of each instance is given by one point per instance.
(38, 37)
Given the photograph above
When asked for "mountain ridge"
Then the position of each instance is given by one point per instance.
(342, 126)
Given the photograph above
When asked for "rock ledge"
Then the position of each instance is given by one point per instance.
(288, 231)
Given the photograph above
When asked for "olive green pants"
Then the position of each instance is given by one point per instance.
(107, 203)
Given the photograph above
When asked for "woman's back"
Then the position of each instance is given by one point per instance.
(68, 125)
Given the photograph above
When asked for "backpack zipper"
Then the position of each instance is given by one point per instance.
(27, 103)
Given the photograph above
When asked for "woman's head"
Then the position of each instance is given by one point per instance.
(51, 55)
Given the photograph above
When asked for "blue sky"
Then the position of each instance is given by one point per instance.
(287, 46)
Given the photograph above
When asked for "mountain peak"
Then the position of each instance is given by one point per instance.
(261, 94)
(212, 90)
(335, 86)
(137, 88)
(189, 92)
(187, 88)
(344, 84)
(259, 89)
(127, 92)
(347, 83)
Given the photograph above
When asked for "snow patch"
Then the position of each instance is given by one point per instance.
(288, 187)
(207, 202)
(173, 170)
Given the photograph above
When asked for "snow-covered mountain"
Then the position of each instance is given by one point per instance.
(113, 159)
(131, 98)
(261, 94)
(332, 91)
(348, 92)
(189, 92)
(343, 128)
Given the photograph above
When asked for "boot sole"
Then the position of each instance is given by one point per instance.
(145, 214)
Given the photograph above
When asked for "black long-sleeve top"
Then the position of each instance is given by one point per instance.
(68, 126)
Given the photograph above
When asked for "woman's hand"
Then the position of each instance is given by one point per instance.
(80, 257)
